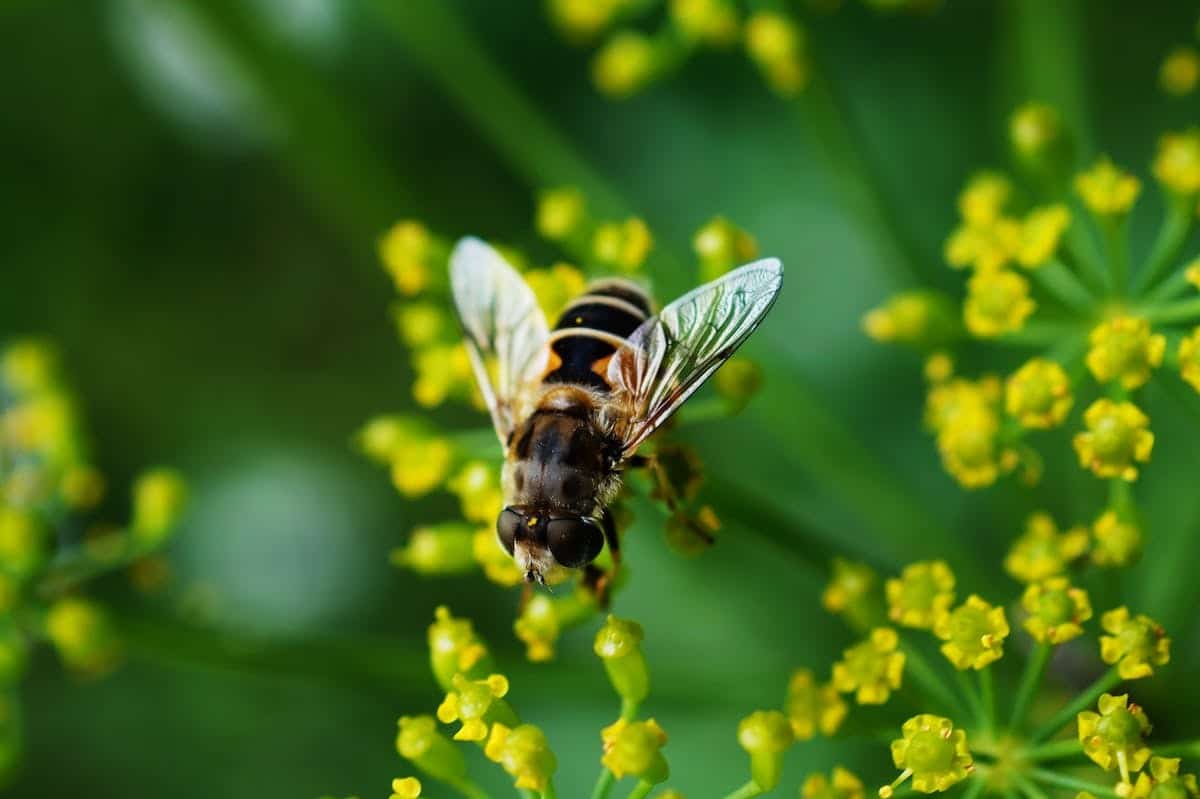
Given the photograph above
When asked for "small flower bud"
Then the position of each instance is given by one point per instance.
(1124, 348)
(477, 486)
(1180, 71)
(871, 669)
(498, 566)
(624, 245)
(634, 748)
(1165, 782)
(477, 704)
(619, 644)
(1056, 610)
(21, 541)
(1189, 358)
(921, 594)
(933, 752)
(1106, 190)
(968, 444)
(1177, 164)
(974, 634)
(561, 213)
(14, 652)
(454, 649)
(625, 64)
(720, 245)
(406, 788)
(711, 21)
(919, 318)
(419, 742)
(82, 487)
(1042, 551)
(82, 633)
(443, 371)
(737, 381)
(1036, 133)
(1038, 395)
(852, 592)
(438, 549)
(407, 250)
(1116, 437)
(524, 753)
(1113, 737)
(159, 497)
(555, 287)
(1117, 541)
(813, 708)
(997, 302)
(28, 366)
(778, 45)
(841, 784)
(1135, 644)
(1041, 231)
(421, 324)
(766, 735)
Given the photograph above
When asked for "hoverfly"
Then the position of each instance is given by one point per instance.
(572, 405)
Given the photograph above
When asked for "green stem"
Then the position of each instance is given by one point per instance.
(70, 570)
(1039, 334)
(968, 691)
(1190, 749)
(629, 709)
(604, 784)
(1182, 311)
(1048, 777)
(975, 787)
(1055, 750)
(1106, 682)
(1116, 241)
(987, 695)
(1063, 285)
(549, 793)
(641, 790)
(931, 683)
(469, 789)
(750, 789)
(1174, 286)
(1168, 244)
(1026, 787)
(1031, 680)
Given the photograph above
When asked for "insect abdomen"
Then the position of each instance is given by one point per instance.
(591, 328)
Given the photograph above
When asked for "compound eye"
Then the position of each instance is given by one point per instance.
(506, 528)
(574, 542)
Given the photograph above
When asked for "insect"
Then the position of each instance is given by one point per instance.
(572, 405)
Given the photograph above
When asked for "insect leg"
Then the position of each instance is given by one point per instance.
(665, 490)
(598, 581)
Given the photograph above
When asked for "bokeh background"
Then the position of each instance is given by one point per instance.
(189, 204)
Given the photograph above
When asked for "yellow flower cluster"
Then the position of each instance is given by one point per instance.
(871, 669)
(973, 633)
(1042, 551)
(1107, 190)
(965, 416)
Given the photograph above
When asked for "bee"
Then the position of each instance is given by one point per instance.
(572, 405)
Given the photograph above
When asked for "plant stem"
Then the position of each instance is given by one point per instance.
(469, 789)
(924, 674)
(1037, 333)
(78, 566)
(550, 793)
(629, 710)
(1055, 750)
(968, 691)
(1182, 311)
(1189, 749)
(750, 789)
(987, 694)
(1167, 245)
(1175, 285)
(604, 784)
(1062, 283)
(641, 790)
(1116, 241)
(1031, 680)
(1026, 787)
(1071, 783)
(1105, 682)
(975, 788)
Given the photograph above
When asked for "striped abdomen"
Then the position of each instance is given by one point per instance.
(590, 330)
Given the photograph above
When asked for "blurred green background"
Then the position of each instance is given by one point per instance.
(190, 199)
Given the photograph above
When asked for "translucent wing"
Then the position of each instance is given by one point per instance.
(671, 355)
(504, 327)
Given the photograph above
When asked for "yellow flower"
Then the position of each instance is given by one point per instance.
(974, 633)
(1177, 165)
(1118, 542)
(984, 197)
(406, 250)
(841, 784)
(1136, 644)
(625, 64)
(1124, 348)
(983, 246)
(1116, 436)
(932, 752)
(560, 212)
(477, 486)
(713, 21)
(1112, 738)
(949, 402)
(555, 287)
(765, 735)
(813, 708)
(498, 566)
(159, 497)
(406, 788)
(81, 632)
(1033, 129)
(1056, 610)
(438, 549)
(1180, 71)
(477, 704)
(623, 244)
(635, 748)
(779, 46)
(581, 20)
(1040, 233)
(524, 753)
(1107, 190)
(455, 649)
(1193, 273)
(28, 366)
(545, 617)
(997, 302)
(21, 539)
(419, 742)
(1038, 395)
(968, 445)
(849, 590)
(1165, 782)
(420, 324)
(421, 466)
(922, 593)
(619, 645)
(442, 370)
(911, 317)
(872, 669)
(1042, 551)
(938, 367)
(721, 245)
(1189, 358)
